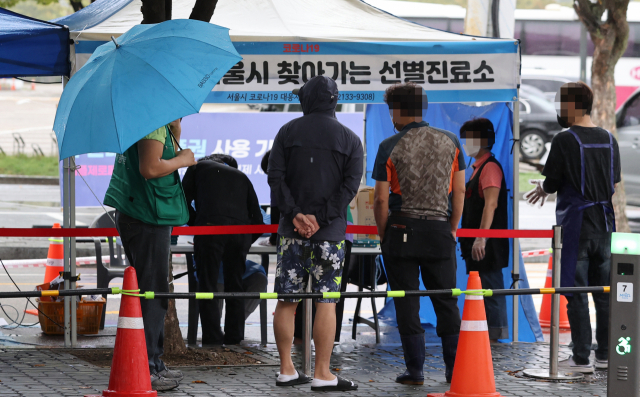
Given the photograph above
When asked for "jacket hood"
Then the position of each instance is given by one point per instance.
(320, 94)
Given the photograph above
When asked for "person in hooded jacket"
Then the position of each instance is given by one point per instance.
(315, 168)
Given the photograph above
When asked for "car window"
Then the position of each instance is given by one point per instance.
(632, 113)
(544, 85)
(541, 104)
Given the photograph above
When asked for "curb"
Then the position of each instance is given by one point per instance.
(29, 180)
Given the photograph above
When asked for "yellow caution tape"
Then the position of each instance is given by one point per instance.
(268, 295)
(331, 295)
(395, 294)
(204, 295)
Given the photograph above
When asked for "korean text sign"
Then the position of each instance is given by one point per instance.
(245, 136)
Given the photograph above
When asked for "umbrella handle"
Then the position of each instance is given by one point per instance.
(115, 42)
(174, 138)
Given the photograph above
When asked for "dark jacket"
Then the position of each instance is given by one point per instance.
(222, 194)
(315, 166)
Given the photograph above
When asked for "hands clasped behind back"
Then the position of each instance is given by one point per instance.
(305, 225)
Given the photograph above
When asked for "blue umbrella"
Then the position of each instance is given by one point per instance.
(148, 77)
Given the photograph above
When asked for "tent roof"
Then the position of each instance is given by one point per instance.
(31, 47)
(269, 20)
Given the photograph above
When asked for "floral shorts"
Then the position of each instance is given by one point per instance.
(297, 259)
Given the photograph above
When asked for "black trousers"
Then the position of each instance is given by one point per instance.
(209, 252)
(429, 250)
(148, 248)
(592, 269)
(339, 306)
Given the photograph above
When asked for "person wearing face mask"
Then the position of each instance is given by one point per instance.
(485, 207)
(419, 195)
(583, 167)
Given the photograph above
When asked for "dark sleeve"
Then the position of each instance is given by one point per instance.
(551, 185)
(554, 167)
(280, 192)
(189, 187)
(253, 208)
(617, 173)
(380, 166)
(352, 175)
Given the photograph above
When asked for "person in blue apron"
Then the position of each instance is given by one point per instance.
(583, 167)
(485, 207)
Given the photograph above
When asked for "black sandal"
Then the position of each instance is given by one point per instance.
(343, 385)
(301, 380)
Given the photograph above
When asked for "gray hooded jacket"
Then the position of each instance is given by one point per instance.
(316, 163)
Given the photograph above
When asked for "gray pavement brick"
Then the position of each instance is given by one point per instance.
(373, 367)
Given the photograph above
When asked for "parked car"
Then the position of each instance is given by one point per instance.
(549, 85)
(628, 126)
(538, 122)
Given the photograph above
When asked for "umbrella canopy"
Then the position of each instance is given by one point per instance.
(152, 75)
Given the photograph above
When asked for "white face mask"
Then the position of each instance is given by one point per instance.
(471, 150)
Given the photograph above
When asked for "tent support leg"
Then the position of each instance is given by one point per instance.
(65, 224)
(72, 246)
(516, 209)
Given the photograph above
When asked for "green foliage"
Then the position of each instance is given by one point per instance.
(29, 165)
(45, 10)
(524, 177)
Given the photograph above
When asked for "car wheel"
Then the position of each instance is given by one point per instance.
(532, 144)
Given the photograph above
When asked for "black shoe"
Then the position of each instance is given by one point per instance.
(449, 349)
(300, 380)
(414, 352)
(343, 385)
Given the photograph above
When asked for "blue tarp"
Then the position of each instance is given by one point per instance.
(30, 47)
(450, 117)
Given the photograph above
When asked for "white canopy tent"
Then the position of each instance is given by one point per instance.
(365, 48)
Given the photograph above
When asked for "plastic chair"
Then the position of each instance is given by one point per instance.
(117, 261)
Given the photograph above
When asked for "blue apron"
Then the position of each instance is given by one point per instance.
(570, 206)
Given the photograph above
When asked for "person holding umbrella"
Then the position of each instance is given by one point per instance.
(128, 99)
(146, 192)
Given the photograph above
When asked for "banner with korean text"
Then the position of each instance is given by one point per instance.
(245, 136)
(476, 71)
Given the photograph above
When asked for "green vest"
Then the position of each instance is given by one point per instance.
(158, 201)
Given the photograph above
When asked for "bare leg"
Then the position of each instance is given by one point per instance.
(324, 332)
(283, 329)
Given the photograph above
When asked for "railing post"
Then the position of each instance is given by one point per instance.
(306, 332)
(554, 336)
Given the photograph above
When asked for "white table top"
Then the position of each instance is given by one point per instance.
(185, 246)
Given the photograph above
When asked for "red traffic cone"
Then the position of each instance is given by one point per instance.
(545, 309)
(13, 84)
(473, 370)
(130, 366)
(55, 262)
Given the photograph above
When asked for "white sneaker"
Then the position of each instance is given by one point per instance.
(602, 364)
(571, 365)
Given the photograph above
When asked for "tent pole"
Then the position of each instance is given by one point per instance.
(364, 144)
(516, 209)
(65, 224)
(72, 247)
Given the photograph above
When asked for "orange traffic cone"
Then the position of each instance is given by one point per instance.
(13, 84)
(33, 86)
(545, 309)
(130, 366)
(473, 370)
(55, 262)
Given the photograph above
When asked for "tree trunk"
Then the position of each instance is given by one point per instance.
(76, 4)
(155, 11)
(610, 41)
(203, 10)
(173, 340)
